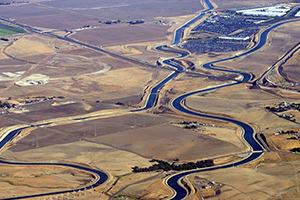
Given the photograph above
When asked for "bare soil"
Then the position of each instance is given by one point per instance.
(115, 144)
(122, 34)
(26, 180)
(266, 181)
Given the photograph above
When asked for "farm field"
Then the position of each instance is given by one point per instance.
(79, 86)
(6, 30)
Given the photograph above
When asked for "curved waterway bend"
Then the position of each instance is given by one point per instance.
(153, 93)
(262, 41)
(151, 100)
(256, 149)
(248, 133)
(100, 176)
(180, 192)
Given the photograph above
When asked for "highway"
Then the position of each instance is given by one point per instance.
(66, 38)
(278, 64)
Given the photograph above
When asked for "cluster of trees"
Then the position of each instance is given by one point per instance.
(118, 21)
(297, 149)
(190, 126)
(163, 165)
(296, 106)
(111, 22)
(136, 22)
(6, 105)
(188, 122)
(119, 103)
(293, 138)
(288, 132)
(278, 109)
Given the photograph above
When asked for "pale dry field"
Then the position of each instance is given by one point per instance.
(247, 106)
(264, 181)
(27, 180)
(279, 41)
(84, 76)
(75, 14)
(158, 139)
(120, 143)
(64, 70)
(111, 35)
(291, 68)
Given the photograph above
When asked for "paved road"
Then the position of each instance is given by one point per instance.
(66, 38)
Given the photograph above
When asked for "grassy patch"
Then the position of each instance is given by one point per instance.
(9, 30)
(203, 95)
(206, 93)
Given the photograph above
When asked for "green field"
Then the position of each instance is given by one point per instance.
(9, 30)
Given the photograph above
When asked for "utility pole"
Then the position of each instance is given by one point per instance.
(37, 140)
(279, 193)
(143, 121)
(95, 132)
(284, 43)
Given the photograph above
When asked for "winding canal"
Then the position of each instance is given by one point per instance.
(100, 177)
(173, 181)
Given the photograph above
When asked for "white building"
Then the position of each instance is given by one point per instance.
(270, 11)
